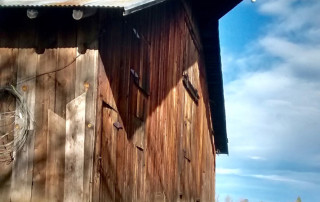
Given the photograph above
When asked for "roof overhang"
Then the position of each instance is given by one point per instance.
(207, 15)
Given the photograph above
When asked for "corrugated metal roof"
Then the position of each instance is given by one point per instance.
(126, 4)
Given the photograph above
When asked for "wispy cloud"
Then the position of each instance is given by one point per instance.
(276, 106)
(272, 94)
(280, 179)
(288, 177)
(228, 171)
(259, 158)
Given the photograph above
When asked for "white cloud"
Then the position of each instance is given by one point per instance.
(279, 178)
(273, 98)
(291, 15)
(227, 171)
(308, 179)
(259, 158)
(275, 109)
(275, 7)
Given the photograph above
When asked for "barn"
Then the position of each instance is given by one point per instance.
(110, 100)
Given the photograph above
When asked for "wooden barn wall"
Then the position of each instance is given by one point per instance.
(153, 141)
(41, 59)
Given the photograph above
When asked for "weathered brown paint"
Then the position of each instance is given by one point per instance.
(176, 162)
(163, 150)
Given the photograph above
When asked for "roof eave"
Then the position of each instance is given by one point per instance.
(207, 15)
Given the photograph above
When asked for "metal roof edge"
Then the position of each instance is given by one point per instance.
(128, 6)
(140, 6)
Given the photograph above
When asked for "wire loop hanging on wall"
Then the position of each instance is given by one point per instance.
(14, 124)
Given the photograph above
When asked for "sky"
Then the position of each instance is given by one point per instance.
(270, 53)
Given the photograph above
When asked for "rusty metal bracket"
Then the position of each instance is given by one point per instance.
(136, 79)
(193, 92)
(117, 125)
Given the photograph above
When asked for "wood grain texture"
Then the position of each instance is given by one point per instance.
(22, 172)
(55, 157)
(86, 81)
(45, 88)
(23, 165)
(74, 149)
(8, 69)
(41, 58)
(108, 150)
(162, 151)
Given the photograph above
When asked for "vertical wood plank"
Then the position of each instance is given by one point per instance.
(23, 165)
(46, 35)
(86, 81)
(74, 149)
(64, 93)
(8, 68)
(86, 74)
(171, 135)
(55, 157)
(65, 80)
(98, 136)
(108, 158)
(45, 98)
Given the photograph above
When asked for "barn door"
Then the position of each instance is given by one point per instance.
(108, 154)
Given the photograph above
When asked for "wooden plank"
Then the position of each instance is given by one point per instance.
(55, 157)
(97, 151)
(150, 122)
(108, 156)
(23, 165)
(123, 105)
(131, 126)
(65, 80)
(180, 111)
(45, 42)
(21, 185)
(45, 98)
(8, 68)
(86, 81)
(171, 108)
(66, 61)
(172, 119)
(154, 78)
(74, 149)
(64, 92)
(175, 112)
(99, 125)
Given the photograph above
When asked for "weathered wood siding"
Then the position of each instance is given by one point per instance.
(153, 141)
(112, 118)
(41, 58)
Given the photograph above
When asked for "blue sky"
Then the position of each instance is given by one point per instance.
(271, 67)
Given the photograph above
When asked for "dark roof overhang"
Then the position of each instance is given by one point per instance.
(207, 14)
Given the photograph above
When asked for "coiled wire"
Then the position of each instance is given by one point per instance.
(14, 125)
